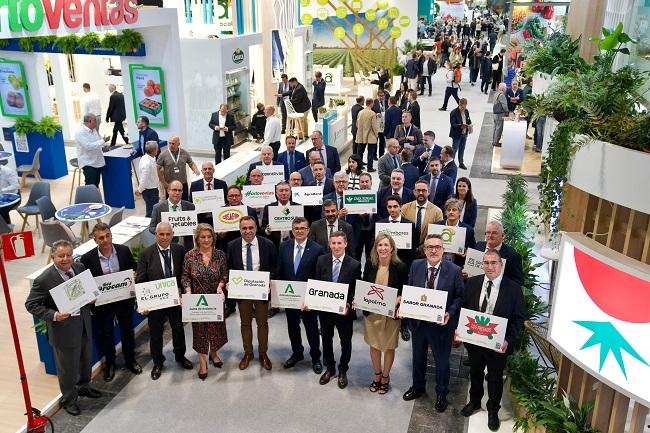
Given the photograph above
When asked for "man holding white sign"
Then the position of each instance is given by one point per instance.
(172, 204)
(457, 235)
(106, 259)
(208, 189)
(435, 274)
(69, 334)
(284, 207)
(404, 227)
(492, 294)
(337, 267)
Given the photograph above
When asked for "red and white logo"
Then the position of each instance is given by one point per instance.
(17, 245)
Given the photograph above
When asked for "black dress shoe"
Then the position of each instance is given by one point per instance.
(371, 170)
(413, 393)
(273, 312)
(493, 421)
(134, 367)
(441, 403)
(406, 335)
(317, 367)
(89, 392)
(109, 372)
(325, 378)
(293, 360)
(470, 408)
(442, 109)
(72, 409)
(462, 167)
(185, 363)
(342, 380)
(156, 372)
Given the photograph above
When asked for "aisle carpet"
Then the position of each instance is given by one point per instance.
(255, 400)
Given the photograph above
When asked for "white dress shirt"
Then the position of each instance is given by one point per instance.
(254, 249)
(162, 259)
(494, 294)
(148, 173)
(8, 180)
(222, 123)
(272, 130)
(89, 147)
(90, 104)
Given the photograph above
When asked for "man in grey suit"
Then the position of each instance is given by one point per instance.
(500, 111)
(321, 230)
(70, 334)
(388, 162)
(172, 204)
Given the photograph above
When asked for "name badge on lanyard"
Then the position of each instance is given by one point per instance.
(175, 160)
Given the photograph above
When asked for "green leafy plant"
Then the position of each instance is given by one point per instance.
(557, 54)
(67, 44)
(41, 327)
(89, 41)
(4, 43)
(26, 44)
(109, 40)
(24, 126)
(136, 250)
(241, 181)
(48, 126)
(565, 415)
(128, 41)
(398, 70)
(46, 41)
(408, 47)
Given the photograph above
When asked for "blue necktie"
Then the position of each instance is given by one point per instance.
(434, 186)
(395, 162)
(291, 163)
(249, 257)
(296, 261)
(336, 271)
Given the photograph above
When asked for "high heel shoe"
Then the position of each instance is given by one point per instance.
(384, 386)
(217, 364)
(374, 386)
(203, 376)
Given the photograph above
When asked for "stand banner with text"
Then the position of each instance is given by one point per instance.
(360, 201)
(481, 329)
(287, 294)
(248, 285)
(157, 294)
(258, 195)
(423, 304)
(74, 293)
(375, 298)
(183, 223)
(203, 307)
(326, 296)
(14, 97)
(453, 237)
(115, 287)
(148, 93)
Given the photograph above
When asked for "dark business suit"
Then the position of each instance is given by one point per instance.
(513, 269)
(470, 242)
(411, 175)
(392, 118)
(397, 275)
(71, 339)
(450, 169)
(306, 270)
(116, 113)
(318, 97)
(314, 213)
(470, 215)
(254, 165)
(423, 165)
(299, 162)
(428, 334)
(222, 144)
(104, 315)
(320, 233)
(163, 206)
(144, 135)
(384, 193)
(275, 236)
(354, 111)
(509, 305)
(199, 185)
(248, 307)
(150, 268)
(457, 133)
(332, 155)
(308, 175)
(414, 109)
(444, 189)
(349, 274)
(283, 90)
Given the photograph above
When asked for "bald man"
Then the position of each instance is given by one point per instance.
(116, 113)
(172, 165)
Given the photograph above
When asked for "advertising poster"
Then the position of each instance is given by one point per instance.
(14, 99)
(148, 94)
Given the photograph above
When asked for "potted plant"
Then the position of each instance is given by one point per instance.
(67, 44)
(128, 41)
(89, 41)
(45, 134)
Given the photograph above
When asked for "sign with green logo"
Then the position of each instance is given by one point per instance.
(258, 195)
(203, 307)
(248, 285)
(360, 201)
(74, 293)
(14, 98)
(287, 294)
(481, 329)
(453, 237)
(157, 294)
(281, 217)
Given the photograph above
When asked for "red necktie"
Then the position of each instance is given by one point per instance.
(209, 186)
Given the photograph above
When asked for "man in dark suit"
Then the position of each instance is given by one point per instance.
(328, 154)
(430, 65)
(320, 178)
(69, 334)
(392, 118)
(396, 187)
(297, 262)
(407, 134)
(307, 172)
(423, 153)
(223, 124)
(388, 162)
(116, 113)
(172, 204)
(365, 229)
(452, 218)
(322, 230)
(318, 94)
(300, 101)
(207, 183)
(411, 172)
(253, 253)
(341, 185)
(145, 133)
(283, 199)
(460, 126)
(292, 159)
(109, 258)
(283, 90)
(394, 210)
(156, 262)
(337, 267)
(494, 240)
(440, 185)
(449, 166)
(434, 273)
(495, 294)
(266, 158)
(355, 110)
(413, 107)
(380, 106)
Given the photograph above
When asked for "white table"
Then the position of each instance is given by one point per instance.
(514, 143)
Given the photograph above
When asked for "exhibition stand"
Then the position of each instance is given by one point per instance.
(52, 160)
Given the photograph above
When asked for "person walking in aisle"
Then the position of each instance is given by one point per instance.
(223, 124)
(318, 95)
(452, 86)
(461, 126)
(90, 150)
(116, 113)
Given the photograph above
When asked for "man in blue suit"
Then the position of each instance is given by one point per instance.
(144, 134)
(292, 159)
(449, 166)
(440, 185)
(208, 183)
(411, 172)
(266, 158)
(392, 117)
(297, 259)
(307, 172)
(328, 154)
(318, 95)
(396, 187)
(423, 153)
(434, 273)
(494, 240)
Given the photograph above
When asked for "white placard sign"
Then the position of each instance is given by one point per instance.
(402, 233)
(307, 195)
(258, 195)
(115, 287)
(360, 201)
(203, 308)
(474, 263)
(207, 201)
(272, 173)
(281, 217)
(74, 293)
(453, 238)
(287, 294)
(183, 222)
(248, 285)
(481, 329)
(375, 298)
(226, 219)
(157, 294)
(22, 145)
(326, 296)
(423, 304)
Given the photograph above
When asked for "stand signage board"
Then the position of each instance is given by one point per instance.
(158, 294)
(481, 329)
(360, 201)
(203, 308)
(326, 296)
(115, 287)
(14, 98)
(375, 298)
(287, 294)
(423, 304)
(74, 293)
(148, 93)
(453, 237)
(248, 285)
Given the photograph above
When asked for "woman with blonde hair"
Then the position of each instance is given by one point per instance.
(382, 332)
(205, 271)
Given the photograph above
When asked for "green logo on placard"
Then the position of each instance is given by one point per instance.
(289, 289)
(447, 235)
(286, 211)
(237, 280)
(202, 302)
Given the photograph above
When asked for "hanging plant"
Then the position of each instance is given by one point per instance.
(26, 44)
(67, 43)
(109, 40)
(45, 41)
(4, 43)
(89, 41)
(128, 41)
